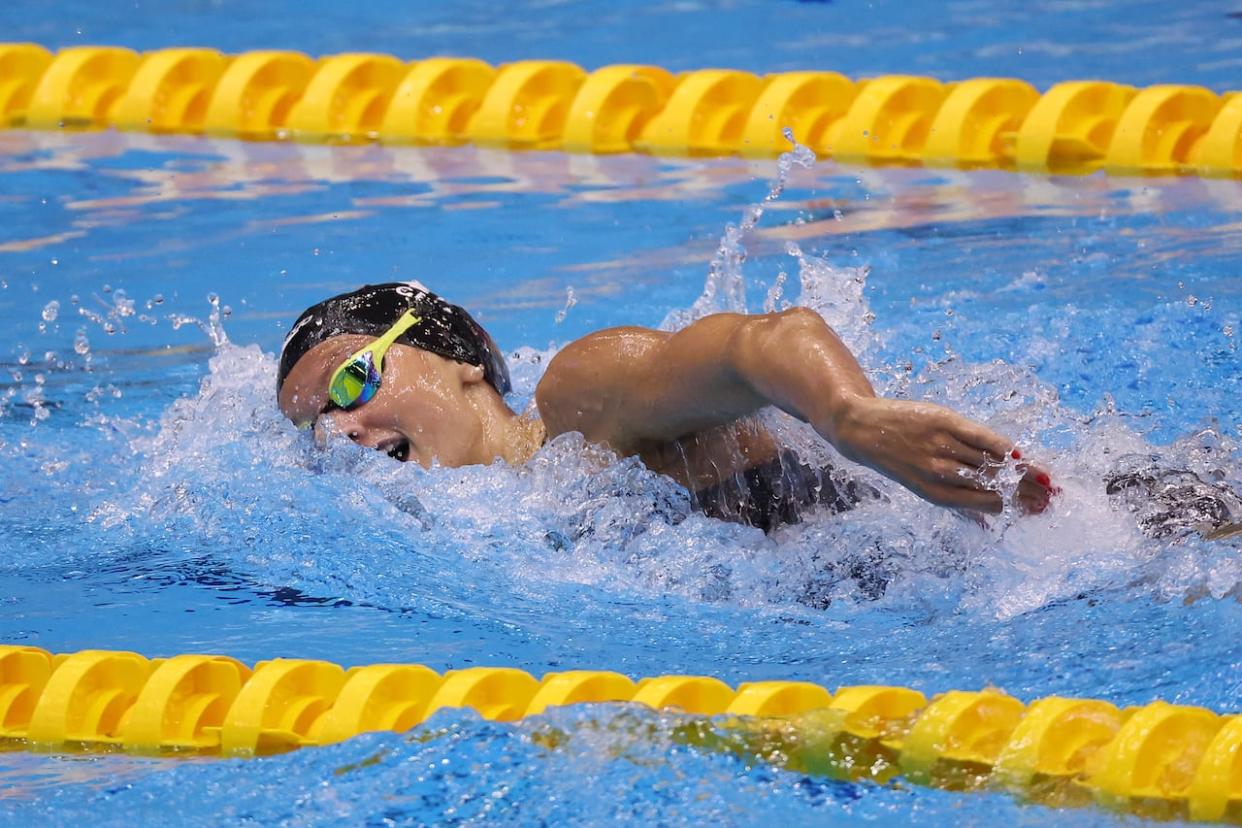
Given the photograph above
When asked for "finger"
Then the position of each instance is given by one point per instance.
(1029, 489)
(1033, 498)
(980, 500)
(967, 455)
(975, 471)
(984, 439)
(1030, 496)
(1039, 475)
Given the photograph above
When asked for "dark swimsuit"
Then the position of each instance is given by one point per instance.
(776, 493)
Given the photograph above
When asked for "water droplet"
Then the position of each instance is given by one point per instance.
(106, 288)
(81, 344)
(50, 311)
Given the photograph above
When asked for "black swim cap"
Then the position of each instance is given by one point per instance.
(445, 329)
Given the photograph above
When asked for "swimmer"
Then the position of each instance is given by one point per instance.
(400, 370)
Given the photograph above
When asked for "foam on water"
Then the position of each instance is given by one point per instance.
(581, 559)
(223, 471)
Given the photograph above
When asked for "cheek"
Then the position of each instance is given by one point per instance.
(438, 426)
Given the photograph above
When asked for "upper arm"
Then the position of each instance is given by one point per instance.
(630, 386)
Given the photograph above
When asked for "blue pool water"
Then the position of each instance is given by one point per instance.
(156, 501)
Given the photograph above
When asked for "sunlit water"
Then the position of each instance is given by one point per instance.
(156, 501)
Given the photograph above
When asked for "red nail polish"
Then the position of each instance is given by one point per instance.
(1015, 454)
(1043, 480)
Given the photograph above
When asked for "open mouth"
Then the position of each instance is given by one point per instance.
(399, 450)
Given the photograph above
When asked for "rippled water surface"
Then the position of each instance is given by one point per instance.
(156, 501)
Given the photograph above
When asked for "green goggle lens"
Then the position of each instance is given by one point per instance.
(355, 382)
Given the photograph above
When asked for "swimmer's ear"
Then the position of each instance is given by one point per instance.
(469, 374)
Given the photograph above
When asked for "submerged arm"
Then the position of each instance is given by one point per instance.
(635, 387)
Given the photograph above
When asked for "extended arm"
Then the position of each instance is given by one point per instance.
(632, 387)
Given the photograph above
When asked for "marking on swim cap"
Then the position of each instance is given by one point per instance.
(299, 326)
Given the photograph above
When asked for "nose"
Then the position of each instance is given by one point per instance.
(347, 423)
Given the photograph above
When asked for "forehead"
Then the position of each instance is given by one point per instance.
(305, 390)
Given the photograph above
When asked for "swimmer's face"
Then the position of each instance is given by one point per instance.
(422, 411)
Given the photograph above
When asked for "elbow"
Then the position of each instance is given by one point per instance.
(760, 341)
(800, 319)
(774, 333)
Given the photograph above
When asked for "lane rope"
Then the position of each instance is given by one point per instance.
(1158, 760)
(1074, 127)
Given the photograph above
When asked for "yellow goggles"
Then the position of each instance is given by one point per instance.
(359, 377)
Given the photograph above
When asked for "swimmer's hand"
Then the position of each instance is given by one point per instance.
(939, 455)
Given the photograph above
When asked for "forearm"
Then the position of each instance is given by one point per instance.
(796, 362)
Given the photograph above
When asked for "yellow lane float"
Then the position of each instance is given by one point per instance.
(1160, 760)
(1074, 127)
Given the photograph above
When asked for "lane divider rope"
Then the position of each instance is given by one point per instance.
(1074, 127)
(1158, 760)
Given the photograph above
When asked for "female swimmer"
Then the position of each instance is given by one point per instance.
(400, 370)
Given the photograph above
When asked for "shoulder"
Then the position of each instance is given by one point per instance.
(587, 379)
